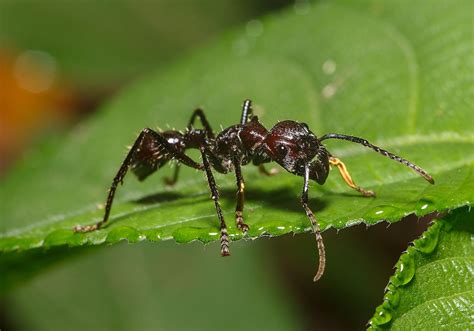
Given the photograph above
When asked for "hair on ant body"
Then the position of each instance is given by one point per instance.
(289, 143)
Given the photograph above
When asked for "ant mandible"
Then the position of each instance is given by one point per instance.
(289, 143)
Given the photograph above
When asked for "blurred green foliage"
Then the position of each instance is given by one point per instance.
(102, 43)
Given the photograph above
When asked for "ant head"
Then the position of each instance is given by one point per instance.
(292, 145)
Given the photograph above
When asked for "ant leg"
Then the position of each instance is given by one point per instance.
(264, 171)
(239, 209)
(129, 159)
(347, 177)
(171, 181)
(314, 224)
(246, 111)
(215, 197)
(207, 127)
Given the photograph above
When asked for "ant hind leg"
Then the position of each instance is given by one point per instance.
(239, 209)
(215, 196)
(129, 161)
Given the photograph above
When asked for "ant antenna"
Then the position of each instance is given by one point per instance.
(246, 111)
(364, 142)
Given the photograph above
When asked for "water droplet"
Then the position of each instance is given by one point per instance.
(424, 206)
(429, 240)
(393, 297)
(329, 90)
(213, 233)
(280, 227)
(254, 28)
(329, 67)
(240, 47)
(353, 222)
(405, 269)
(260, 228)
(378, 212)
(382, 316)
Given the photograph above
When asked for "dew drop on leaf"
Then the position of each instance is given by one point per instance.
(428, 242)
(393, 297)
(382, 316)
(405, 269)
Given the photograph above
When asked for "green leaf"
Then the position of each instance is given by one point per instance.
(395, 73)
(432, 286)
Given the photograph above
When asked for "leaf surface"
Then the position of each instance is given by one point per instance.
(371, 70)
(432, 286)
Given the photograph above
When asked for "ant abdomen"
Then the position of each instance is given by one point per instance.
(151, 155)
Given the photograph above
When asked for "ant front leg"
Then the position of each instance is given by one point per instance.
(215, 196)
(314, 224)
(239, 209)
(129, 160)
(347, 177)
(197, 113)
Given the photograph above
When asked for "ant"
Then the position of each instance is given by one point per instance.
(289, 143)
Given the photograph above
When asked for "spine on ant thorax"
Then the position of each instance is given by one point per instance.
(253, 134)
(237, 143)
(253, 138)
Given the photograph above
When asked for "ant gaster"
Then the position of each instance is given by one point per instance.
(289, 143)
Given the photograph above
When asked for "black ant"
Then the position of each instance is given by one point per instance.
(291, 144)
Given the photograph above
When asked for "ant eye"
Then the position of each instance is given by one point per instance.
(281, 149)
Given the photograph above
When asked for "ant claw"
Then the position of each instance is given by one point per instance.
(240, 222)
(225, 249)
(366, 193)
(243, 227)
(85, 228)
